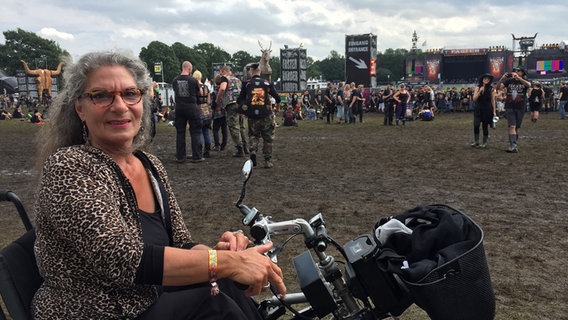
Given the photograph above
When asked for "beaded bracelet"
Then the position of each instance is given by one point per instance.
(213, 272)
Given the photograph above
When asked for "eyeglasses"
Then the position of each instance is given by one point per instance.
(103, 98)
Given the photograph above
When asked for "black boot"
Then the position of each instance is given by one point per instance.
(475, 143)
(484, 144)
(253, 158)
(240, 153)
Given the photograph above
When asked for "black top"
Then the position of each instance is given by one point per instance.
(153, 230)
(186, 89)
(516, 93)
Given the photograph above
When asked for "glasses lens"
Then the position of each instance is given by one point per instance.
(132, 96)
(102, 98)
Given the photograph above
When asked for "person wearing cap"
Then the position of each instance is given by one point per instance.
(516, 86)
(484, 109)
(254, 102)
(536, 99)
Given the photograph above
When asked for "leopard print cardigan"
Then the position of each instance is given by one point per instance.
(89, 238)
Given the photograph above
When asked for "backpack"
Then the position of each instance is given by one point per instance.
(201, 99)
(257, 103)
(232, 91)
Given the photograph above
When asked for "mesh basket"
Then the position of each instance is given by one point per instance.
(460, 288)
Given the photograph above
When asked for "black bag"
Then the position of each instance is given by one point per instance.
(442, 263)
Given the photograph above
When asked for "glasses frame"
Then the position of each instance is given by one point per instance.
(90, 94)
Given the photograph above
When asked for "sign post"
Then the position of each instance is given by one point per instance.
(293, 69)
(159, 69)
(361, 59)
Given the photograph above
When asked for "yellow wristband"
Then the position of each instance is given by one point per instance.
(212, 268)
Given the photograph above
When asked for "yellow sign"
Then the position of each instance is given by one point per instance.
(157, 68)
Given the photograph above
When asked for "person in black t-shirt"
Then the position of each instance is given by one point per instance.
(516, 87)
(562, 99)
(186, 89)
(536, 100)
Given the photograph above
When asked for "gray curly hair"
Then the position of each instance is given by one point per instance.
(65, 127)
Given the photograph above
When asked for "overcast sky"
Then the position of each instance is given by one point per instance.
(319, 25)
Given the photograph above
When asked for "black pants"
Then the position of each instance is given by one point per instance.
(197, 303)
(191, 115)
(330, 114)
(389, 113)
(220, 124)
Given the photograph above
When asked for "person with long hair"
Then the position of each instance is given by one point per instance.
(206, 114)
(536, 100)
(401, 98)
(484, 109)
(111, 238)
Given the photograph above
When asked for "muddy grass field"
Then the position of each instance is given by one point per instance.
(357, 174)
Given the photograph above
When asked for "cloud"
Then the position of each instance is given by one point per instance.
(53, 33)
(131, 33)
(320, 24)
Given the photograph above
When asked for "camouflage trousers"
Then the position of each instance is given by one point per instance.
(261, 129)
(237, 128)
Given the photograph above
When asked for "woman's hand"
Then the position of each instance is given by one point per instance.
(253, 268)
(233, 241)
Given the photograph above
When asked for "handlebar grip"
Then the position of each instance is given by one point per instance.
(258, 232)
(4, 195)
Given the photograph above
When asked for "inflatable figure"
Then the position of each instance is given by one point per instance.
(264, 64)
(43, 78)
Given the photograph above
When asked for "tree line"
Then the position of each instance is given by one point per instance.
(42, 53)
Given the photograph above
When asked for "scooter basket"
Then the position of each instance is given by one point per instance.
(459, 288)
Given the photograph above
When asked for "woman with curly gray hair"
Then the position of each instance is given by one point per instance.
(111, 240)
(65, 127)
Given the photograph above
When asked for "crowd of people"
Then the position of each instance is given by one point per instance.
(509, 97)
(220, 114)
(423, 99)
(24, 110)
(213, 113)
(244, 111)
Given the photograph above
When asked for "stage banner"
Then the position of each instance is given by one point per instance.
(497, 61)
(433, 67)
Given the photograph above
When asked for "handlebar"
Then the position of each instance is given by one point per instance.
(262, 228)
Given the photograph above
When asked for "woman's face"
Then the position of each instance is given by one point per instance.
(111, 127)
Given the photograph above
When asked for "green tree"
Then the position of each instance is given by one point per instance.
(240, 59)
(210, 54)
(38, 52)
(333, 67)
(393, 61)
(313, 69)
(185, 53)
(275, 65)
(158, 51)
(384, 76)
